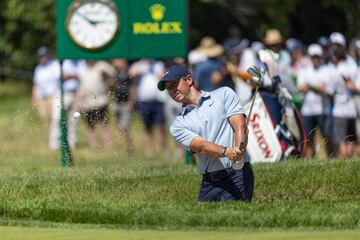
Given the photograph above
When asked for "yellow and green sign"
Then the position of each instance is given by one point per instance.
(156, 25)
(102, 29)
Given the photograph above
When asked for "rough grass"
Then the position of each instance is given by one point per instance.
(166, 197)
(109, 188)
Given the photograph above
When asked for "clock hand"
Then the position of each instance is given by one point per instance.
(102, 21)
(87, 19)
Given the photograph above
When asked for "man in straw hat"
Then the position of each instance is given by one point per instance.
(273, 38)
(274, 41)
(211, 73)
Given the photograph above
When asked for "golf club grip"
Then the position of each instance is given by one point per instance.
(242, 146)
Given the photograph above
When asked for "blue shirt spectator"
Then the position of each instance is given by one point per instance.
(203, 72)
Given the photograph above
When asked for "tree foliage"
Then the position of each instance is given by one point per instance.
(27, 25)
(304, 19)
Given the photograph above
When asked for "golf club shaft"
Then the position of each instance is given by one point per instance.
(248, 119)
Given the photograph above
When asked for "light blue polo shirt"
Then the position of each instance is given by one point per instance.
(209, 120)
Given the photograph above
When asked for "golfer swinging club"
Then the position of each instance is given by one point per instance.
(211, 125)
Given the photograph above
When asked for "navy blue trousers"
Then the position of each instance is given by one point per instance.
(239, 185)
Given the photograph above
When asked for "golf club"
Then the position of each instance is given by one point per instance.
(257, 79)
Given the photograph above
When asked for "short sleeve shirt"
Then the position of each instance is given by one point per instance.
(72, 67)
(93, 87)
(150, 72)
(313, 102)
(209, 120)
(344, 105)
(47, 78)
(203, 72)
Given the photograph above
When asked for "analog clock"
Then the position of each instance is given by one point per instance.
(92, 24)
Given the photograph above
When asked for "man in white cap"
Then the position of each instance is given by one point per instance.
(341, 87)
(312, 81)
(337, 40)
(345, 65)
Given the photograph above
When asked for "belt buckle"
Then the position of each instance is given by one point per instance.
(215, 176)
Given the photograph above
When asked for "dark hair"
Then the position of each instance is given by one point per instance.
(43, 51)
(340, 54)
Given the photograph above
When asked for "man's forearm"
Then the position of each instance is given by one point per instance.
(210, 149)
(213, 150)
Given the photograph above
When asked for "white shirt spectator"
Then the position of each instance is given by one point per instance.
(72, 67)
(313, 102)
(93, 87)
(149, 72)
(344, 105)
(289, 73)
(243, 89)
(248, 58)
(47, 78)
(348, 68)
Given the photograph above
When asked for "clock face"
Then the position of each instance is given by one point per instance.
(92, 24)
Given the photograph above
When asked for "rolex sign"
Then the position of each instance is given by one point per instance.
(160, 25)
(128, 28)
(157, 12)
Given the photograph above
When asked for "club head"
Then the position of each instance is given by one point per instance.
(254, 71)
(256, 75)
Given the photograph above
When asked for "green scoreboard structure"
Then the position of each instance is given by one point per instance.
(104, 29)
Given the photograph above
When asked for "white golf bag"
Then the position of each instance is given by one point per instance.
(276, 130)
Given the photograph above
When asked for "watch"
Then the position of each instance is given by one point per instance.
(224, 151)
(92, 24)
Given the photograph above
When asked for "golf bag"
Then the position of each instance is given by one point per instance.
(276, 130)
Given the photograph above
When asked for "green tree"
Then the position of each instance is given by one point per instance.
(24, 26)
(304, 19)
(27, 25)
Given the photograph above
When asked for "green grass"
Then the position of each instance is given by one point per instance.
(112, 190)
(166, 197)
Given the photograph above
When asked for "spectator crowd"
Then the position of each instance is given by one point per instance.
(322, 77)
